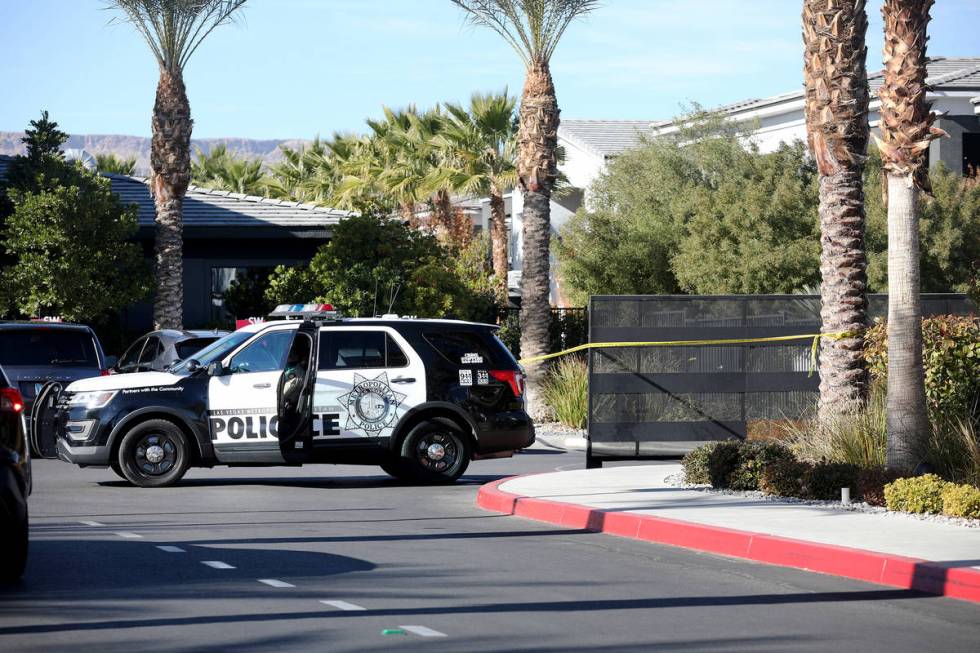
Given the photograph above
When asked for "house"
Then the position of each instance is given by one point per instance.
(589, 145)
(225, 234)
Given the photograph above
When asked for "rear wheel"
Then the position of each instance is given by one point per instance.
(154, 453)
(436, 451)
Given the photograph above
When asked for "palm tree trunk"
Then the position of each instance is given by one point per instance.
(843, 302)
(498, 238)
(536, 166)
(836, 108)
(170, 165)
(906, 131)
(907, 421)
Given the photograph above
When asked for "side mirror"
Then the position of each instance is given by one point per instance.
(192, 365)
(215, 368)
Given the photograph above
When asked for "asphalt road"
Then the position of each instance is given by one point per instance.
(329, 558)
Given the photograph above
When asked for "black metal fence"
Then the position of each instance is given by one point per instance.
(657, 401)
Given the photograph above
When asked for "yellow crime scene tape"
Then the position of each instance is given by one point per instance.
(815, 337)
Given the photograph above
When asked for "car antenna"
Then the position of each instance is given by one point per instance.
(374, 311)
(394, 296)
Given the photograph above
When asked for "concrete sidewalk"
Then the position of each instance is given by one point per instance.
(889, 549)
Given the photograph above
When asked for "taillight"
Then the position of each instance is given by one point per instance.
(11, 400)
(512, 378)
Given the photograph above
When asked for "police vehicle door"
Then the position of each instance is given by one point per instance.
(367, 379)
(242, 400)
(294, 396)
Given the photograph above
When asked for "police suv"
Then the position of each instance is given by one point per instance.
(418, 397)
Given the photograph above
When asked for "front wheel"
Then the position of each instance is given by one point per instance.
(437, 451)
(154, 454)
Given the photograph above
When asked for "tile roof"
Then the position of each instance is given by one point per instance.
(942, 73)
(204, 207)
(604, 137)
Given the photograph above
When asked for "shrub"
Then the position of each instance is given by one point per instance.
(784, 477)
(824, 480)
(754, 457)
(723, 460)
(871, 482)
(950, 355)
(921, 494)
(567, 391)
(695, 464)
(961, 501)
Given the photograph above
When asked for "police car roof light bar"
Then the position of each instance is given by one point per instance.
(306, 312)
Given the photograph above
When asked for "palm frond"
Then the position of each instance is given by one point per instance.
(532, 27)
(175, 28)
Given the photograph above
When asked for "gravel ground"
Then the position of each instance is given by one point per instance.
(677, 480)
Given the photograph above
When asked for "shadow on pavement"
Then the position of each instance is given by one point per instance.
(519, 608)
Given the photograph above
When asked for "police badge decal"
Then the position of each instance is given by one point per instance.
(371, 404)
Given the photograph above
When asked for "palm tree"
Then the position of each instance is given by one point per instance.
(906, 131)
(173, 29)
(112, 164)
(221, 170)
(479, 147)
(533, 28)
(836, 110)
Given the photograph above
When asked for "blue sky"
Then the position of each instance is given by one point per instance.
(297, 68)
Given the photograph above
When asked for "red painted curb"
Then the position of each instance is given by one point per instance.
(870, 566)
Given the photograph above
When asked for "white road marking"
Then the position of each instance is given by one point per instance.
(127, 534)
(90, 523)
(273, 582)
(216, 564)
(343, 605)
(423, 631)
(171, 549)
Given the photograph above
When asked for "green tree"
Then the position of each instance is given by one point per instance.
(480, 147)
(246, 296)
(112, 164)
(173, 30)
(534, 28)
(374, 265)
(68, 238)
(221, 170)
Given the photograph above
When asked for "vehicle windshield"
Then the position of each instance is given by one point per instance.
(44, 346)
(215, 351)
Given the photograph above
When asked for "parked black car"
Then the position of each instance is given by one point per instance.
(158, 350)
(15, 482)
(33, 353)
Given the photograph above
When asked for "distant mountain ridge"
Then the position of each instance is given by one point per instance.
(139, 147)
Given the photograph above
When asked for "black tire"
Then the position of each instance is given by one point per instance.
(114, 466)
(144, 466)
(13, 551)
(400, 469)
(436, 451)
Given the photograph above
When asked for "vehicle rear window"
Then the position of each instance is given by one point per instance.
(470, 348)
(42, 347)
(189, 347)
